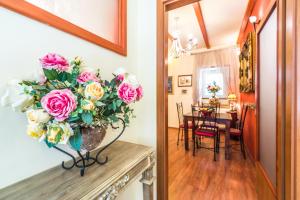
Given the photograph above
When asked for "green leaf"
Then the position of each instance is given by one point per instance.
(126, 119)
(38, 105)
(113, 118)
(58, 137)
(76, 139)
(63, 76)
(51, 74)
(119, 102)
(29, 83)
(114, 106)
(49, 144)
(73, 118)
(99, 103)
(87, 117)
(105, 96)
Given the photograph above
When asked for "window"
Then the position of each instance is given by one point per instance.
(209, 75)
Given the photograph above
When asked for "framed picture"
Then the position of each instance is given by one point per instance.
(170, 85)
(246, 72)
(185, 81)
(101, 22)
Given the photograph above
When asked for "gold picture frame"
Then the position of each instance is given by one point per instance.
(246, 70)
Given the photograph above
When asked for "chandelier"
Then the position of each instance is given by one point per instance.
(176, 50)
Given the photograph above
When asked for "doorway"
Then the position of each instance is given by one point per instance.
(286, 59)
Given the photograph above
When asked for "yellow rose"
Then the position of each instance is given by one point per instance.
(78, 60)
(37, 116)
(88, 105)
(94, 91)
(59, 133)
(53, 133)
(35, 130)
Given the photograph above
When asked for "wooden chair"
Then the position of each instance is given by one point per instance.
(204, 125)
(238, 132)
(180, 121)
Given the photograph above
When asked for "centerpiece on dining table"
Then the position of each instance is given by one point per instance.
(213, 89)
(72, 105)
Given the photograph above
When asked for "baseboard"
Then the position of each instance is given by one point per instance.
(264, 185)
(170, 127)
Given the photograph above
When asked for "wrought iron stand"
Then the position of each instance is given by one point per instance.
(87, 160)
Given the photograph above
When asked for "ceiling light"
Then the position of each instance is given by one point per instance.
(252, 19)
(195, 41)
(190, 36)
(176, 50)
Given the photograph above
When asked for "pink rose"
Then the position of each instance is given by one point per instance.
(59, 103)
(120, 78)
(87, 76)
(54, 61)
(127, 93)
(139, 92)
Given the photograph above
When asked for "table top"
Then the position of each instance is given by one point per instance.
(57, 183)
(220, 116)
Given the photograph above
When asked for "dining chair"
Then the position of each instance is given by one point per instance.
(181, 121)
(238, 132)
(204, 125)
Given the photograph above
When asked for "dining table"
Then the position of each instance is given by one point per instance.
(222, 118)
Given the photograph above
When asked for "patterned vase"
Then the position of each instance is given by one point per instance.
(213, 100)
(92, 137)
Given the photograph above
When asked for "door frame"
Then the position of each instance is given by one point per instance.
(163, 6)
(288, 12)
(261, 173)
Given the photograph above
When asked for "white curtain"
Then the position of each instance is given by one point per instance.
(223, 58)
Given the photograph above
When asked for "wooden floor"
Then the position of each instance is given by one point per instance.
(199, 177)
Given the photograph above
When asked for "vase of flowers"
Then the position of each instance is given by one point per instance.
(213, 89)
(72, 105)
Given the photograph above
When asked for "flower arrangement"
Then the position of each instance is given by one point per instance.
(68, 97)
(213, 88)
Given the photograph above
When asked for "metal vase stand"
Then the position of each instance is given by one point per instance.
(86, 160)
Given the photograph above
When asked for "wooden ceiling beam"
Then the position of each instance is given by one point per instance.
(245, 21)
(173, 4)
(199, 15)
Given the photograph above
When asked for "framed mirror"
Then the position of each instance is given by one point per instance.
(102, 22)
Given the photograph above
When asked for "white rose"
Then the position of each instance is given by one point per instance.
(68, 132)
(131, 79)
(37, 116)
(59, 128)
(15, 97)
(119, 71)
(36, 131)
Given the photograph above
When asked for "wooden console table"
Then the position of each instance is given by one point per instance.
(127, 161)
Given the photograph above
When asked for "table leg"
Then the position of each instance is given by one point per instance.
(227, 141)
(147, 181)
(186, 133)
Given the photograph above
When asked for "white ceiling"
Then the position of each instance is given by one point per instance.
(223, 19)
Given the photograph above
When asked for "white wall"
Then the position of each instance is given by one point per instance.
(181, 66)
(24, 40)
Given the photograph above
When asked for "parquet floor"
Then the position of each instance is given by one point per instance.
(200, 178)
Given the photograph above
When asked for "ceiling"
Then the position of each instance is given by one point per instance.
(222, 18)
